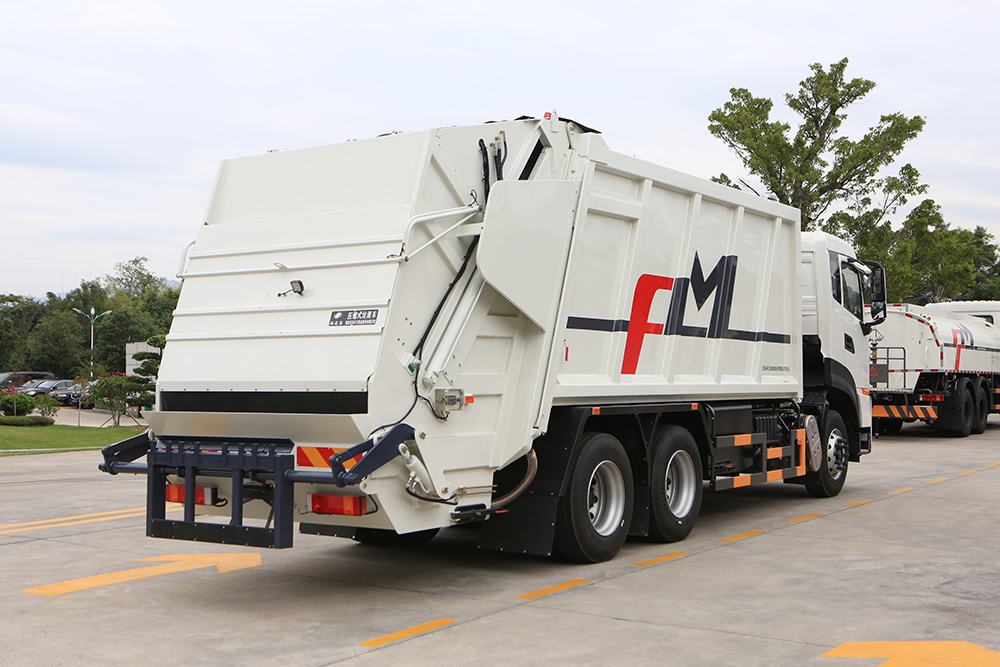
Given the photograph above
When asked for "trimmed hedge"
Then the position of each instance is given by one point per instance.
(31, 420)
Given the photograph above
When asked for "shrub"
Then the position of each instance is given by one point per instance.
(31, 420)
(12, 404)
(112, 393)
(46, 406)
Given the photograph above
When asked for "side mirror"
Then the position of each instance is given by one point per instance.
(876, 293)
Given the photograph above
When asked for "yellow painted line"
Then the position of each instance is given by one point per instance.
(935, 481)
(857, 502)
(403, 634)
(742, 536)
(175, 563)
(967, 472)
(804, 518)
(993, 465)
(902, 490)
(70, 518)
(77, 523)
(72, 523)
(661, 559)
(553, 589)
(903, 654)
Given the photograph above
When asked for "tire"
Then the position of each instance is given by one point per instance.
(594, 516)
(981, 408)
(675, 485)
(390, 538)
(829, 479)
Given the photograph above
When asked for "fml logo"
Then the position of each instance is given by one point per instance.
(721, 282)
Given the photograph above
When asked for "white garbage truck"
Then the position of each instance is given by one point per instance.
(939, 364)
(508, 324)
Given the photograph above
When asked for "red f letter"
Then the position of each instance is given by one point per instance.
(638, 325)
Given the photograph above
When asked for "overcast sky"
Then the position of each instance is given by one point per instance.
(114, 115)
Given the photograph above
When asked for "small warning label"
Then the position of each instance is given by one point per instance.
(346, 318)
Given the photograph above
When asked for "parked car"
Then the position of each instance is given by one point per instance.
(47, 386)
(17, 378)
(28, 385)
(66, 395)
(82, 398)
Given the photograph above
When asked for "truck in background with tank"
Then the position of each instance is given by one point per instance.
(938, 363)
(508, 324)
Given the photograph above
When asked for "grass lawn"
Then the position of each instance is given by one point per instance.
(61, 438)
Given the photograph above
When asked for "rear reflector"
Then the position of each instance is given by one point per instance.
(203, 495)
(932, 398)
(322, 503)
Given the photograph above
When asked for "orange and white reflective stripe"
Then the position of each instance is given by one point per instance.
(319, 457)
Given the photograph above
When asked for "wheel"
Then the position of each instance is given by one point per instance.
(962, 409)
(390, 538)
(982, 408)
(594, 516)
(675, 485)
(829, 479)
(889, 426)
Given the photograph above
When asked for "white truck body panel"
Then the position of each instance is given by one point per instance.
(987, 310)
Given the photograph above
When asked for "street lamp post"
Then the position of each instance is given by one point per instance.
(92, 318)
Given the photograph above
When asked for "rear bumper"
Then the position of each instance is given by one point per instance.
(258, 469)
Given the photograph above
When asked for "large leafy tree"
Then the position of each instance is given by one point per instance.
(816, 168)
(132, 281)
(55, 345)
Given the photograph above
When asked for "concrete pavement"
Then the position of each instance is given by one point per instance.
(92, 418)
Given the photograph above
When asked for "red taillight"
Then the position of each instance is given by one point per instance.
(203, 495)
(322, 503)
(933, 398)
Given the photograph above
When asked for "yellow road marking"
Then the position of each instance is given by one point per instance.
(176, 563)
(993, 465)
(70, 518)
(967, 472)
(914, 654)
(736, 538)
(403, 634)
(77, 523)
(902, 490)
(72, 523)
(857, 502)
(661, 559)
(804, 518)
(553, 589)
(935, 481)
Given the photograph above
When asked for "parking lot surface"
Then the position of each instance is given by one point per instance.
(903, 566)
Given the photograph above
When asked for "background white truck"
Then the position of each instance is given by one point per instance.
(510, 322)
(933, 363)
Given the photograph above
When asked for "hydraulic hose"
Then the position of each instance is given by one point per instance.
(529, 477)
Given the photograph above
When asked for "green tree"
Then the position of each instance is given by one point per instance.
(112, 393)
(160, 305)
(124, 325)
(131, 281)
(927, 260)
(55, 345)
(20, 315)
(816, 168)
(144, 378)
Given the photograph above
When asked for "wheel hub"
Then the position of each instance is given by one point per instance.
(606, 498)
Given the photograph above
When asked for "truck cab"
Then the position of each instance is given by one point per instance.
(835, 289)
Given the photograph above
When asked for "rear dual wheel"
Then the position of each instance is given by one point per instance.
(595, 514)
(675, 485)
(982, 408)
